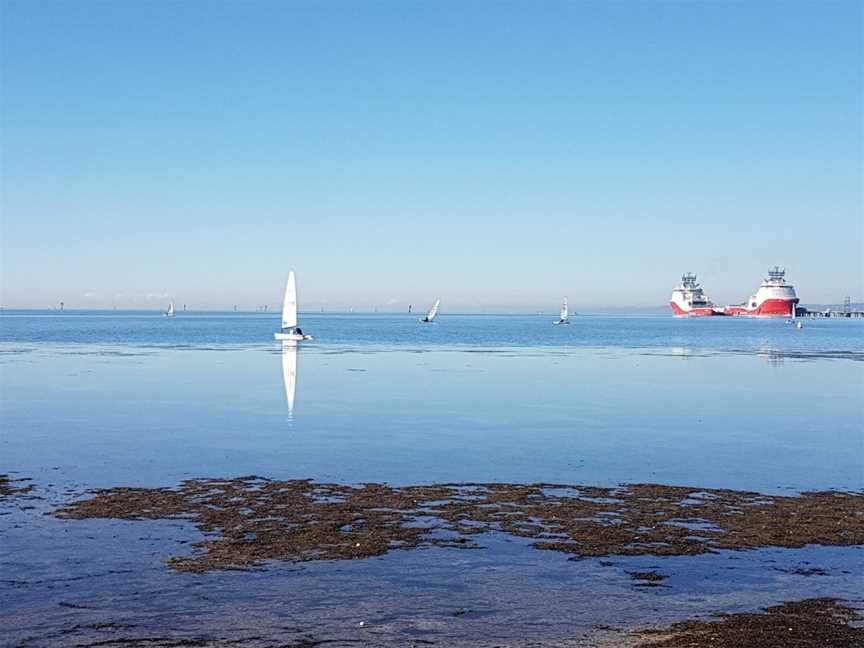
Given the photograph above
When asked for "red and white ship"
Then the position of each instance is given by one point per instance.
(689, 300)
(775, 298)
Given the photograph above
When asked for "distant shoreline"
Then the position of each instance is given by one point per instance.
(636, 312)
(275, 313)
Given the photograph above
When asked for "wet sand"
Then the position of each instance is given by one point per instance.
(811, 623)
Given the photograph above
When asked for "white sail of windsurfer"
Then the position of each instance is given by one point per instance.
(564, 317)
(170, 311)
(433, 312)
(290, 330)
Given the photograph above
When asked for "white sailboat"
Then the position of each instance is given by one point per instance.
(564, 317)
(290, 330)
(433, 313)
(289, 371)
(170, 311)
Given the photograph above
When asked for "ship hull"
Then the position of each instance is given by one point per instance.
(768, 308)
(695, 312)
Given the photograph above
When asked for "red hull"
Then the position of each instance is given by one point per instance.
(696, 312)
(768, 308)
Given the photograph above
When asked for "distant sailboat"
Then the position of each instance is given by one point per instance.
(432, 314)
(170, 311)
(290, 330)
(289, 371)
(564, 317)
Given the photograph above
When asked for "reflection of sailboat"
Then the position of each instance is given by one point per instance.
(289, 371)
(170, 311)
(290, 330)
(433, 312)
(565, 314)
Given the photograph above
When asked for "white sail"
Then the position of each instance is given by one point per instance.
(564, 312)
(170, 312)
(433, 311)
(289, 372)
(289, 304)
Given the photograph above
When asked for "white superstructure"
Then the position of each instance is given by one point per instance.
(774, 298)
(689, 300)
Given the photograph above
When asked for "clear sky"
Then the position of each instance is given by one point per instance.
(498, 154)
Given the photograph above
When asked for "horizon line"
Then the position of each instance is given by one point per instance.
(608, 310)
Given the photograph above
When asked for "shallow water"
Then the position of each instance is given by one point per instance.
(127, 399)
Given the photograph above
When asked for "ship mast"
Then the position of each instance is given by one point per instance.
(777, 275)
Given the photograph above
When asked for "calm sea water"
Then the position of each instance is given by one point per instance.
(122, 399)
(201, 329)
(99, 399)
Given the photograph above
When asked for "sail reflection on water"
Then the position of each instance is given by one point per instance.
(289, 372)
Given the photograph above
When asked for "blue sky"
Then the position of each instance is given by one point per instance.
(499, 154)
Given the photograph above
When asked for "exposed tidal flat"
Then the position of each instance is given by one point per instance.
(483, 481)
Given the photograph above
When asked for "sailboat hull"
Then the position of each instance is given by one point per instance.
(291, 336)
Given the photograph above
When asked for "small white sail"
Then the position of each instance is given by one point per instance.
(289, 304)
(564, 317)
(433, 312)
(170, 312)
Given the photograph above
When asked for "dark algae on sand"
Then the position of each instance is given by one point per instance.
(9, 487)
(812, 623)
(256, 520)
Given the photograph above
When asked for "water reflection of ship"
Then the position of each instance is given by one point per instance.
(289, 372)
(774, 358)
(681, 352)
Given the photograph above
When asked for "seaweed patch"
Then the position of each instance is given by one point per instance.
(250, 520)
(812, 623)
